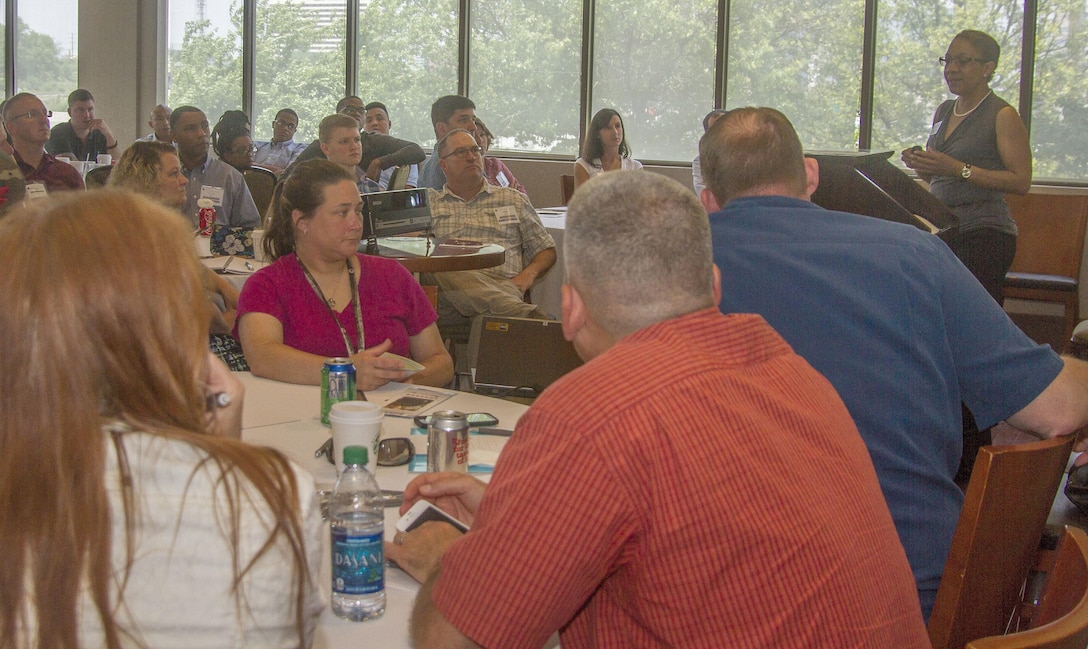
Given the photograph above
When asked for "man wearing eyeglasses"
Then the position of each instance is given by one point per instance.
(468, 207)
(27, 121)
(84, 136)
(447, 113)
(278, 153)
(380, 152)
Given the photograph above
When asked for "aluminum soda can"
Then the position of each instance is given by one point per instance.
(337, 384)
(206, 216)
(447, 442)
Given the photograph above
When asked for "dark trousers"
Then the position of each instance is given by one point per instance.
(988, 254)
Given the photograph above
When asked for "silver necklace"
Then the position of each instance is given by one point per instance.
(955, 114)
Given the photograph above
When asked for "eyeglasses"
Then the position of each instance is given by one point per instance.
(287, 125)
(250, 150)
(465, 150)
(34, 114)
(961, 62)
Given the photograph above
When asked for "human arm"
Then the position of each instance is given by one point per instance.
(539, 265)
(427, 349)
(429, 628)
(261, 336)
(384, 151)
(580, 175)
(1061, 408)
(219, 285)
(102, 127)
(242, 212)
(1012, 146)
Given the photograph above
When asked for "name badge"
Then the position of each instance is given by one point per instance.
(35, 191)
(507, 215)
(214, 194)
(503, 182)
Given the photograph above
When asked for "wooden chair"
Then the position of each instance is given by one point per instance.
(1049, 248)
(399, 178)
(996, 540)
(566, 187)
(1062, 619)
(261, 183)
(98, 177)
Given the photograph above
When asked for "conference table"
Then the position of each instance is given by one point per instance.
(285, 416)
(411, 252)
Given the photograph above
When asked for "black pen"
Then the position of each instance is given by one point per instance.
(497, 432)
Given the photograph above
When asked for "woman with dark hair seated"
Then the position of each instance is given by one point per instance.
(320, 298)
(605, 148)
(234, 146)
(132, 513)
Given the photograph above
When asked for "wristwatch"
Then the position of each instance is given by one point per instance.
(966, 171)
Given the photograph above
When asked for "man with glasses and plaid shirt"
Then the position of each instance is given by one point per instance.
(468, 207)
(27, 121)
(279, 152)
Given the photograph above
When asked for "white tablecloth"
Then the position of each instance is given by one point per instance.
(546, 293)
(285, 416)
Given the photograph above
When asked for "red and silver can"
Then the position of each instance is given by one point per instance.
(447, 442)
(206, 216)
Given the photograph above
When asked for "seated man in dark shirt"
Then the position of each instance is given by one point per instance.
(380, 152)
(27, 121)
(83, 136)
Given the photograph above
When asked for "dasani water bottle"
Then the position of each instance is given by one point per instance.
(358, 527)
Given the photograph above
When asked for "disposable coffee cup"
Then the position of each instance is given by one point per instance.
(356, 423)
(203, 246)
(105, 159)
(258, 241)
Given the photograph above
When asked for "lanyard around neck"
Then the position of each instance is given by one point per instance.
(355, 302)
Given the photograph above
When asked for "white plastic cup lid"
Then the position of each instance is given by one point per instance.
(350, 412)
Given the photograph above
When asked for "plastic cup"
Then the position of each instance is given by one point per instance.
(356, 423)
(258, 249)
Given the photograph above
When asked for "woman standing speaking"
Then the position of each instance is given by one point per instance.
(977, 151)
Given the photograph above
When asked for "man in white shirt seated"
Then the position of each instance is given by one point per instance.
(160, 126)
(282, 149)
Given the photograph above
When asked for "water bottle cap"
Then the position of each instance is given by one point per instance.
(355, 455)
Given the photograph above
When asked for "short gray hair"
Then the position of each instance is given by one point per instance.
(637, 248)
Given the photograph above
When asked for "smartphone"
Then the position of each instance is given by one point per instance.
(423, 511)
(475, 420)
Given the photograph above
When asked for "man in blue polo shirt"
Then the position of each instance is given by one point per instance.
(889, 315)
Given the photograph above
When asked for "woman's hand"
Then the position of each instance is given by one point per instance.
(372, 371)
(929, 163)
(225, 420)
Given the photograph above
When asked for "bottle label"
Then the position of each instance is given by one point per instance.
(357, 563)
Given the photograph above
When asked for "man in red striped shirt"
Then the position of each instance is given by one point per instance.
(695, 483)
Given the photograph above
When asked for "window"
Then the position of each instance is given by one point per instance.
(1059, 114)
(523, 72)
(909, 80)
(407, 59)
(802, 57)
(299, 63)
(654, 64)
(205, 59)
(46, 56)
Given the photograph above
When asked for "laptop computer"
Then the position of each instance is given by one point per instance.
(518, 356)
(388, 214)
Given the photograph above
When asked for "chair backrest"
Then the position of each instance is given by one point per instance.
(399, 178)
(261, 183)
(98, 177)
(566, 186)
(996, 540)
(1062, 619)
(1051, 228)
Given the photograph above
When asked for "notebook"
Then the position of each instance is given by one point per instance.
(518, 356)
